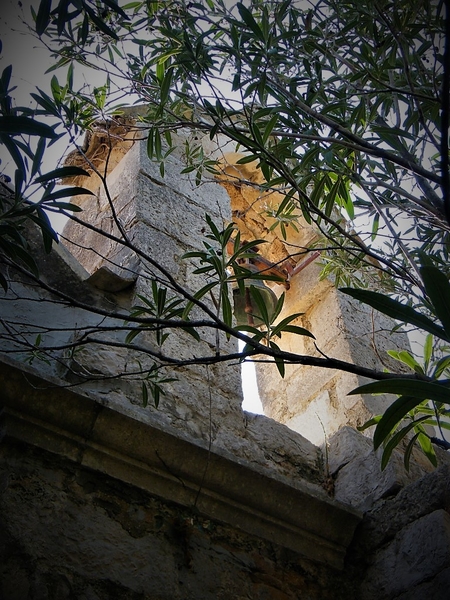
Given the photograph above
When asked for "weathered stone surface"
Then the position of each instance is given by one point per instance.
(105, 145)
(436, 589)
(315, 401)
(212, 198)
(173, 464)
(166, 251)
(346, 445)
(362, 482)
(294, 454)
(306, 289)
(107, 279)
(198, 499)
(159, 207)
(418, 552)
(70, 533)
(429, 493)
(315, 421)
(359, 480)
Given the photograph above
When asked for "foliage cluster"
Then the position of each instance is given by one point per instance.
(345, 107)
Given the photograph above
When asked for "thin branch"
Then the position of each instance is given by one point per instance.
(366, 146)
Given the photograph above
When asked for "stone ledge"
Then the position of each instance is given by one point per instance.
(294, 514)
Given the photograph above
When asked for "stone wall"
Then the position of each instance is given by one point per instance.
(166, 213)
(70, 533)
(99, 509)
(402, 546)
(102, 498)
(96, 503)
(312, 401)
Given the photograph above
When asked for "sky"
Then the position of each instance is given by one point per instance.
(27, 55)
(29, 60)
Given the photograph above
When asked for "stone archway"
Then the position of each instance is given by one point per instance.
(311, 401)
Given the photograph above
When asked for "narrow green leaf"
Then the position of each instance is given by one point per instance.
(116, 8)
(156, 393)
(396, 310)
(150, 144)
(435, 423)
(423, 390)
(298, 331)
(132, 334)
(278, 360)
(269, 128)
(442, 364)
(17, 125)
(62, 18)
(438, 290)
(261, 305)
(66, 206)
(278, 307)
(57, 65)
(318, 190)
(165, 86)
(18, 252)
(43, 16)
(100, 23)
(227, 310)
(409, 450)
(48, 234)
(198, 295)
(67, 193)
(249, 20)
(46, 102)
(144, 395)
(158, 144)
(392, 416)
(61, 173)
(37, 159)
(427, 448)
(427, 350)
(12, 148)
(407, 359)
(18, 182)
(369, 423)
(5, 79)
(83, 32)
(132, 5)
(395, 441)
(193, 332)
(331, 198)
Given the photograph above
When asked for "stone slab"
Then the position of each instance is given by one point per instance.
(173, 466)
(419, 552)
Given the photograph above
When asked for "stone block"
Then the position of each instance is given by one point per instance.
(344, 383)
(436, 589)
(318, 420)
(418, 553)
(361, 482)
(306, 289)
(160, 208)
(291, 452)
(210, 195)
(346, 445)
(304, 384)
(166, 252)
(425, 495)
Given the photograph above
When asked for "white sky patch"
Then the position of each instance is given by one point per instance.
(252, 401)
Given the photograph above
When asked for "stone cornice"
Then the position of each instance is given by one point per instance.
(294, 514)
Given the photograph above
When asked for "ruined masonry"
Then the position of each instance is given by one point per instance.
(102, 498)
